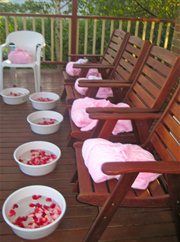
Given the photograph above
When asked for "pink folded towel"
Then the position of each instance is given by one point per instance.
(20, 56)
(98, 151)
(93, 74)
(81, 118)
(74, 71)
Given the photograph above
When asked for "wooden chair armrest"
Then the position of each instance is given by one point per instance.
(115, 113)
(93, 65)
(121, 110)
(124, 116)
(103, 83)
(162, 167)
(85, 55)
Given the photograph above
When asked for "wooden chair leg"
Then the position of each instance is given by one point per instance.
(63, 95)
(174, 191)
(70, 141)
(76, 187)
(75, 177)
(109, 208)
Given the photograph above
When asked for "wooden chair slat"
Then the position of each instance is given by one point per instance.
(142, 193)
(129, 57)
(160, 148)
(111, 52)
(149, 85)
(169, 140)
(121, 73)
(164, 55)
(172, 123)
(135, 101)
(146, 98)
(108, 59)
(136, 41)
(126, 65)
(156, 189)
(175, 109)
(159, 66)
(154, 75)
(133, 50)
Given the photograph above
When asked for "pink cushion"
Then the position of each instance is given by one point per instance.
(19, 56)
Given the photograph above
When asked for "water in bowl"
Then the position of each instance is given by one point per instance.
(34, 212)
(45, 121)
(15, 94)
(44, 99)
(37, 157)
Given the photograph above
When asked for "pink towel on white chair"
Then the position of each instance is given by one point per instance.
(98, 151)
(93, 74)
(20, 56)
(81, 118)
(74, 71)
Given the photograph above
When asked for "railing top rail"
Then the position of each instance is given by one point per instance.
(129, 18)
(156, 20)
(35, 15)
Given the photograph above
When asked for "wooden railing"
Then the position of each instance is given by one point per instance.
(93, 32)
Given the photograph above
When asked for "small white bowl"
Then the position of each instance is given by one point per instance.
(17, 196)
(38, 116)
(8, 98)
(39, 105)
(36, 170)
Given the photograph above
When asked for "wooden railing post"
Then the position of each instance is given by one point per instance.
(176, 35)
(74, 26)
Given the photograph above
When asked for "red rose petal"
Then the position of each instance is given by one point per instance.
(12, 212)
(15, 206)
(36, 197)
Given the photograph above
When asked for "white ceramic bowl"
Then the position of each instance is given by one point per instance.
(36, 170)
(28, 191)
(38, 116)
(39, 105)
(8, 98)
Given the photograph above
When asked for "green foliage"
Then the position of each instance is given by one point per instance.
(129, 8)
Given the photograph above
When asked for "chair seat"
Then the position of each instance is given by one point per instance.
(8, 63)
(97, 193)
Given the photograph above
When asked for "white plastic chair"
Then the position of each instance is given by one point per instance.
(30, 41)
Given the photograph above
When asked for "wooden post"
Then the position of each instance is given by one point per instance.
(176, 36)
(74, 26)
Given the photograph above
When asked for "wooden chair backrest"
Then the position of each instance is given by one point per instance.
(159, 72)
(115, 47)
(165, 137)
(132, 59)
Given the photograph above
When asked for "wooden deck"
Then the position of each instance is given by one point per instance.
(129, 225)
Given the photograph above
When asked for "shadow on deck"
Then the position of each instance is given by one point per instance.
(129, 225)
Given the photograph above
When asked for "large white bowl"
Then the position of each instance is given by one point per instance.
(44, 129)
(28, 191)
(44, 105)
(37, 170)
(15, 100)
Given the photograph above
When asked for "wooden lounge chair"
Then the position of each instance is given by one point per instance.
(146, 94)
(125, 69)
(107, 61)
(163, 192)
